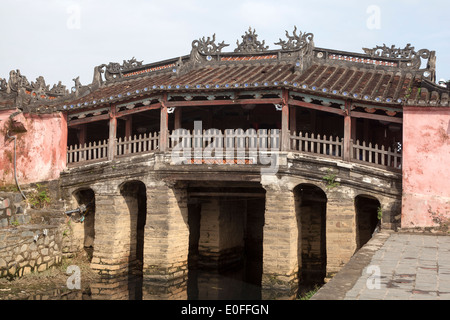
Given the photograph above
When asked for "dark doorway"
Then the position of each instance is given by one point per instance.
(86, 198)
(226, 242)
(367, 209)
(135, 195)
(311, 206)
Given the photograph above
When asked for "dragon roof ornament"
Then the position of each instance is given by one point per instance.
(250, 43)
(114, 70)
(407, 53)
(18, 84)
(208, 46)
(302, 41)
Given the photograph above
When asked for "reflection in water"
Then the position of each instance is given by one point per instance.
(241, 284)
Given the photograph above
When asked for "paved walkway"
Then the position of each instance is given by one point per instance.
(394, 266)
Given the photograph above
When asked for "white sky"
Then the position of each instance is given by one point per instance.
(63, 39)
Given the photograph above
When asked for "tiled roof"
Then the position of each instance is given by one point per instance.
(381, 76)
(355, 82)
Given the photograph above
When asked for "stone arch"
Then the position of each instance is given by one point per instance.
(367, 220)
(84, 228)
(134, 193)
(310, 209)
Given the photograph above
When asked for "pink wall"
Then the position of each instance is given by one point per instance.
(41, 151)
(426, 166)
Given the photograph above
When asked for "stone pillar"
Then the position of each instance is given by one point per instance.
(113, 233)
(208, 243)
(166, 238)
(340, 229)
(280, 244)
(221, 241)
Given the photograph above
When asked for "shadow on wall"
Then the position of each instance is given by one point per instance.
(367, 209)
(85, 198)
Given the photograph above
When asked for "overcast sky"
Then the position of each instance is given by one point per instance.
(63, 39)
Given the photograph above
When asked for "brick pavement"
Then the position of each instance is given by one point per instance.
(394, 266)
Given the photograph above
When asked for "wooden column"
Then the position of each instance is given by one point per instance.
(128, 126)
(82, 134)
(353, 137)
(285, 133)
(164, 126)
(293, 119)
(347, 132)
(178, 113)
(112, 133)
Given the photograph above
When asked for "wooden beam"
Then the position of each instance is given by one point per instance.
(88, 120)
(313, 106)
(222, 102)
(137, 110)
(372, 116)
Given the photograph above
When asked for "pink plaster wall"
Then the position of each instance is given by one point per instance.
(426, 166)
(41, 151)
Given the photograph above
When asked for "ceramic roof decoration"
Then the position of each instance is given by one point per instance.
(383, 75)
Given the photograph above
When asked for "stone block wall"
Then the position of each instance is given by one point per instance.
(29, 248)
(12, 210)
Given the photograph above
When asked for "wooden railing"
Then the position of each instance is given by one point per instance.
(380, 156)
(230, 139)
(138, 144)
(93, 151)
(316, 144)
(239, 144)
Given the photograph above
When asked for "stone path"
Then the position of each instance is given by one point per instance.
(394, 266)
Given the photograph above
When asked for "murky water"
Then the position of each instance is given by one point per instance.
(240, 284)
(199, 285)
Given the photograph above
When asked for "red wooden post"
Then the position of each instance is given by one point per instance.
(164, 125)
(285, 133)
(82, 134)
(128, 126)
(112, 133)
(293, 119)
(347, 132)
(177, 122)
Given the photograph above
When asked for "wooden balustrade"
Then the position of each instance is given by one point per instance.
(376, 155)
(316, 144)
(94, 151)
(138, 144)
(241, 143)
(238, 139)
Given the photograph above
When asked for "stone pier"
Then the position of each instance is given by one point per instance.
(280, 247)
(166, 240)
